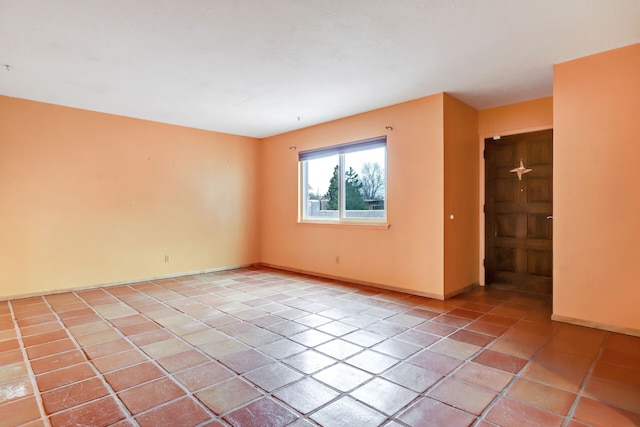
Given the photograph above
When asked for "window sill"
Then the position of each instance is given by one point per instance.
(347, 224)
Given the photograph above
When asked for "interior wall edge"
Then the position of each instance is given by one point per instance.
(470, 287)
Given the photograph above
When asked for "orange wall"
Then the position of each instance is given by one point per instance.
(597, 198)
(516, 118)
(461, 165)
(409, 254)
(90, 198)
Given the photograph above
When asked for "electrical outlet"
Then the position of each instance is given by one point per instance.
(337, 259)
(166, 258)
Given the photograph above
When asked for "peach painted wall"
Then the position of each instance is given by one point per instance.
(516, 118)
(597, 198)
(461, 234)
(409, 254)
(510, 119)
(90, 198)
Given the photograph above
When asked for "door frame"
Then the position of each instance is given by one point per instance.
(481, 192)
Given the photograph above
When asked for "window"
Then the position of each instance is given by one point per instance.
(345, 182)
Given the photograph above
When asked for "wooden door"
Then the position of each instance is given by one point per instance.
(518, 212)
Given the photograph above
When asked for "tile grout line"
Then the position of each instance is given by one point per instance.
(98, 374)
(420, 395)
(516, 376)
(150, 359)
(236, 375)
(266, 393)
(423, 394)
(342, 394)
(465, 362)
(181, 297)
(239, 376)
(305, 375)
(585, 380)
(32, 377)
(566, 418)
(241, 320)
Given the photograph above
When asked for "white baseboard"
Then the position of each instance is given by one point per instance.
(123, 282)
(356, 282)
(235, 267)
(596, 325)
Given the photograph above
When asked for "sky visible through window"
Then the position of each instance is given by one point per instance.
(321, 170)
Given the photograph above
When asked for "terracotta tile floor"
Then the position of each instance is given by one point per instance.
(261, 347)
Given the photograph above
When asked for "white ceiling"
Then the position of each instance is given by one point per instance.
(252, 67)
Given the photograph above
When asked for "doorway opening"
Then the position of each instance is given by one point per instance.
(519, 212)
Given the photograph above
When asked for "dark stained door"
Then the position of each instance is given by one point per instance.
(518, 212)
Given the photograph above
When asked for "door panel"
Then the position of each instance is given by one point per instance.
(539, 189)
(505, 190)
(518, 224)
(538, 227)
(506, 225)
(539, 263)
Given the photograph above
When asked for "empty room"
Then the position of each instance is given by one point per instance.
(319, 213)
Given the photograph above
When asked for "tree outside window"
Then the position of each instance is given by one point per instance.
(356, 193)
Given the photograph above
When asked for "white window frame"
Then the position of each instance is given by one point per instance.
(340, 150)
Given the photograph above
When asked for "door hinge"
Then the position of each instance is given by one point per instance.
(484, 208)
(484, 262)
(484, 154)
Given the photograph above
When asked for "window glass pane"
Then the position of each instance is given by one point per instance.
(365, 184)
(321, 197)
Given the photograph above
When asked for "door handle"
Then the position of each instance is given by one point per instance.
(550, 217)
